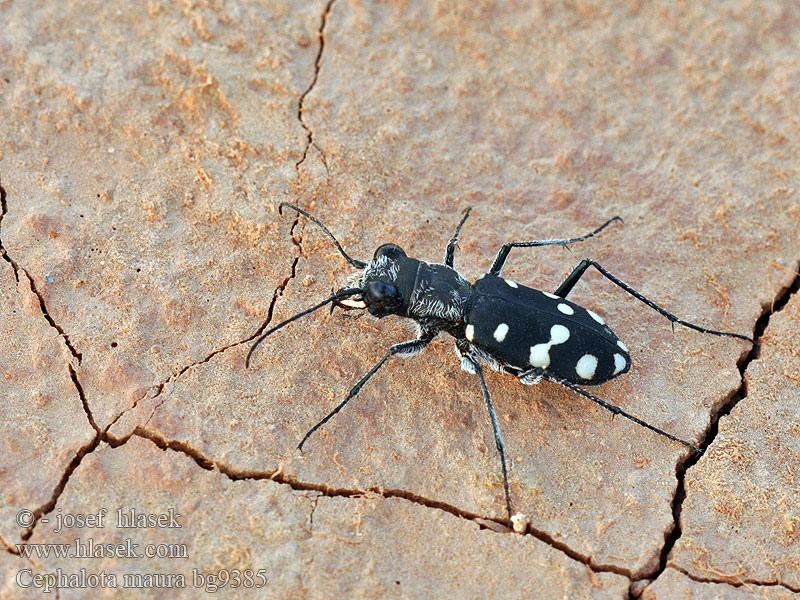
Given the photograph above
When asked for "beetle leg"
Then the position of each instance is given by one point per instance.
(498, 263)
(403, 348)
(498, 437)
(451, 246)
(536, 371)
(578, 271)
(566, 287)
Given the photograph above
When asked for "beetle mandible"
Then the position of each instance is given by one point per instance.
(512, 328)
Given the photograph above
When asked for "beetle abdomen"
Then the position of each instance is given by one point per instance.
(522, 327)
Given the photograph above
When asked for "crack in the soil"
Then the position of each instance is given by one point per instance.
(736, 584)
(298, 242)
(673, 535)
(103, 435)
(86, 448)
(277, 475)
(32, 284)
(77, 355)
(51, 504)
(91, 445)
(314, 504)
(301, 102)
(156, 390)
(3, 211)
(15, 552)
(76, 382)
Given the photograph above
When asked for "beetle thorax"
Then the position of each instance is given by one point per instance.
(394, 284)
(439, 294)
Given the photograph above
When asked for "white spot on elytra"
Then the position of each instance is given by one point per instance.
(623, 346)
(470, 332)
(540, 353)
(511, 283)
(558, 334)
(596, 317)
(619, 363)
(553, 296)
(540, 356)
(500, 332)
(566, 309)
(586, 366)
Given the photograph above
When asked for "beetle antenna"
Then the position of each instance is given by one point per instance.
(358, 264)
(337, 296)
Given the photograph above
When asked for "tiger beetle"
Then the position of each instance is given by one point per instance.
(495, 321)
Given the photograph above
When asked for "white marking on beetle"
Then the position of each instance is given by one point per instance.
(586, 366)
(540, 353)
(553, 296)
(596, 317)
(354, 303)
(623, 346)
(619, 363)
(531, 379)
(566, 309)
(540, 356)
(470, 332)
(466, 364)
(511, 283)
(500, 332)
(559, 334)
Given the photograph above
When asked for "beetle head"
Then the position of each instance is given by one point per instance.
(387, 282)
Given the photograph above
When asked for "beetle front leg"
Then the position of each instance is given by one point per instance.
(449, 254)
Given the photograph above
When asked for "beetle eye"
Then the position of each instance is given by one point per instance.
(390, 250)
(382, 293)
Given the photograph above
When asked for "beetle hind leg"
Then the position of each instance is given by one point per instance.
(467, 363)
(539, 372)
(566, 287)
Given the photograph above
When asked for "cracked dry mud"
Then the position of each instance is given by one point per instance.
(143, 151)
